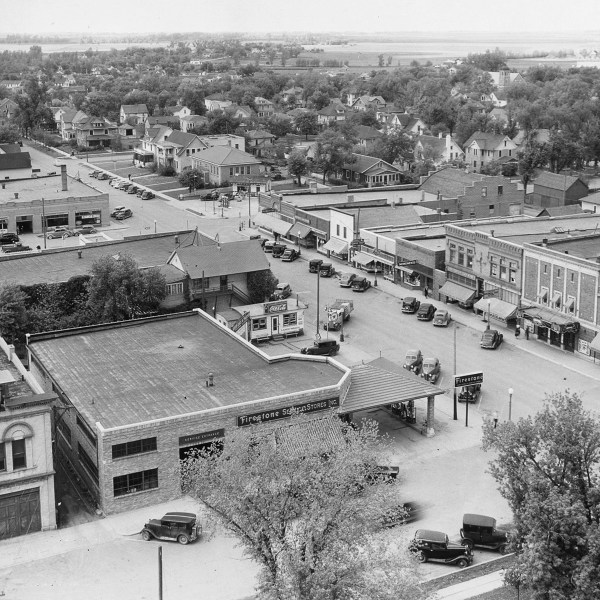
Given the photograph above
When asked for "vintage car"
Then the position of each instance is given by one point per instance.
(491, 339)
(470, 393)
(117, 209)
(481, 531)
(282, 291)
(413, 361)
(346, 279)
(431, 369)
(441, 318)
(278, 250)
(435, 545)
(147, 195)
(290, 255)
(126, 213)
(8, 237)
(410, 305)
(60, 232)
(174, 526)
(326, 347)
(314, 265)
(426, 312)
(360, 284)
(326, 270)
(268, 245)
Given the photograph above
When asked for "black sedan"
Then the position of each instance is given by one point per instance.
(491, 339)
(426, 312)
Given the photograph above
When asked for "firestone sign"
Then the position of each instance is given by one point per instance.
(468, 379)
(285, 413)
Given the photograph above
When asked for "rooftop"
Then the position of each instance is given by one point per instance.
(403, 214)
(49, 188)
(336, 198)
(172, 356)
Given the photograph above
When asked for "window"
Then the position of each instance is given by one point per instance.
(452, 254)
(65, 431)
(18, 452)
(572, 279)
(543, 295)
(461, 255)
(512, 272)
(90, 436)
(500, 190)
(174, 289)
(87, 462)
(2, 456)
(135, 447)
(545, 269)
(470, 257)
(135, 482)
(558, 273)
(483, 192)
(493, 266)
(231, 170)
(345, 232)
(570, 304)
(258, 324)
(503, 270)
(337, 230)
(557, 299)
(290, 319)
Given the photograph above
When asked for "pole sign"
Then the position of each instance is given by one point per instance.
(468, 379)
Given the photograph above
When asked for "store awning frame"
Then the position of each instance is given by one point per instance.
(300, 231)
(336, 246)
(363, 259)
(549, 316)
(595, 343)
(499, 309)
(407, 270)
(457, 292)
(272, 223)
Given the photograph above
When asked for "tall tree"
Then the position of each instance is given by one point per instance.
(297, 165)
(393, 146)
(531, 158)
(306, 517)
(261, 285)
(307, 123)
(547, 468)
(13, 314)
(333, 152)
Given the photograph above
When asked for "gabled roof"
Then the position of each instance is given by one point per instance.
(162, 120)
(365, 132)
(15, 160)
(407, 121)
(9, 148)
(173, 109)
(365, 163)
(434, 142)
(131, 109)
(259, 134)
(226, 156)
(332, 110)
(487, 141)
(181, 138)
(450, 182)
(556, 181)
(222, 259)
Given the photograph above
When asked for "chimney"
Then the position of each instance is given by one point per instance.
(3, 186)
(79, 253)
(16, 195)
(492, 232)
(63, 176)
(177, 239)
(545, 242)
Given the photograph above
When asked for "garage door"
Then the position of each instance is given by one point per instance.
(20, 513)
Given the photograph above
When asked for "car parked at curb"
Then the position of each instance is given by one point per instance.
(133, 189)
(59, 232)
(268, 245)
(413, 361)
(410, 305)
(441, 318)
(117, 210)
(360, 284)
(326, 270)
(147, 195)
(103, 176)
(8, 237)
(435, 545)
(94, 173)
(278, 250)
(431, 369)
(481, 531)
(124, 214)
(179, 527)
(282, 291)
(346, 279)
(322, 347)
(491, 339)
(290, 255)
(85, 230)
(426, 312)
(314, 265)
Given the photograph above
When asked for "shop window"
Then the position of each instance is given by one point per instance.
(87, 462)
(2, 456)
(135, 482)
(290, 319)
(259, 324)
(18, 454)
(470, 257)
(134, 447)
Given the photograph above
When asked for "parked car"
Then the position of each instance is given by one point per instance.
(123, 184)
(147, 195)
(426, 312)
(346, 279)
(140, 191)
(117, 210)
(491, 339)
(326, 270)
(413, 361)
(360, 284)
(95, 173)
(410, 305)
(401, 514)
(268, 246)
(127, 187)
(314, 265)
(441, 318)
(59, 232)
(282, 291)
(124, 214)
(16, 247)
(326, 347)
(116, 181)
(278, 250)
(104, 176)
(85, 230)
(174, 526)
(470, 393)
(435, 545)
(133, 189)
(290, 255)
(8, 237)
(481, 531)
(431, 369)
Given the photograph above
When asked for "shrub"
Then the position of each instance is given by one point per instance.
(166, 171)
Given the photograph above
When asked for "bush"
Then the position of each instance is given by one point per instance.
(166, 171)
(152, 167)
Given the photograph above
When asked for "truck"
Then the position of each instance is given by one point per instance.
(338, 312)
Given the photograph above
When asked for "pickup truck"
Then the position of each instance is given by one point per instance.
(17, 247)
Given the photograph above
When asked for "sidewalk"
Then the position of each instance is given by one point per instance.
(470, 589)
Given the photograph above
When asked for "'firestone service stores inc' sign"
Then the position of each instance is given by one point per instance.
(284, 413)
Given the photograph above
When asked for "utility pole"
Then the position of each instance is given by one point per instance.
(455, 398)
(160, 574)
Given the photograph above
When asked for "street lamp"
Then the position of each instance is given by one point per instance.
(299, 234)
(510, 395)
(375, 282)
(488, 316)
(154, 225)
(455, 417)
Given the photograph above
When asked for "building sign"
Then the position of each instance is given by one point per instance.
(201, 438)
(285, 413)
(275, 307)
(584, 347)
(468, 379)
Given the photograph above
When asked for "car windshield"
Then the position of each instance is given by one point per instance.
(489, 335)
(428, 365)
(411, 357)
(440, 313)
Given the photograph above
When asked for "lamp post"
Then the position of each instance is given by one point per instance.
(375, 282)
(488, 316)
(154, 225)
(44, 221)
(249, 214)
(455, 417)
(318, 335)
(510, 395)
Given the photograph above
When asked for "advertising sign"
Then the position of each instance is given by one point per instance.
(286, 412)
(468, 379)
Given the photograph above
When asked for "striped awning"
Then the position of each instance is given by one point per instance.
(300, 230)
(363, 259)
(457, 292)
(595, 344)
(336, 246)
(497, 308)
(272, 223)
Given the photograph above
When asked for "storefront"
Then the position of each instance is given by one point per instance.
(335, 246)
(551, 327)
(499, 310)
(453, 292)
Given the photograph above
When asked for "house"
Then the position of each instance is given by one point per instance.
(157, 121)
(363, 103)
(370, 171)
(334, 113)
(411, 124)
(499, 98)
(225, 139)
(503, 79)
(9, 148)
(240, 112)
(367, 135)
(556, 189)
(136, 112)
(94, 131)
(219, 163)
(171, 147)
(178, 111)
(7, 111)
(27, 502)
(264, 108)
(192, 122)
(293, 96)
(13, 85)
(216, 102)
(15, 165)
(539, 136)
(259, 140)
(591, 203)
(482, 148)
(440, 149)
(67, 118)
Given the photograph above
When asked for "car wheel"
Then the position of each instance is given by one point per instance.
(462, 563)
(468, 544)
(183, 539)
(146, 536)
(503, 549)
(422, 558)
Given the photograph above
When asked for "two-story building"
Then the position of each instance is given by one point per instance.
(438, 150)
(259, 140)
(334, 113)
(94, 131)
(557, 189)
(133, 113)
(7, 111)
(219, 163)
(364, 103)
(482, 148)
(264, 108)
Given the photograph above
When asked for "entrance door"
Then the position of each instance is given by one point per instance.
(274, 325)
(20, 513)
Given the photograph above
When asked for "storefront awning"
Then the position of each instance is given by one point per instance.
(457, 292)
(595, 344)
(300, 231)
(550, 317)
(363, 259)
(498, 308)
(336, 246)
(406, 270)
(272, 223)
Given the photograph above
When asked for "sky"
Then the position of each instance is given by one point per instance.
(211, 16)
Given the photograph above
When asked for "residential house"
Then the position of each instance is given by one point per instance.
(130, 134)
(27, 502)
(225, 139)
(157, 121)
(364, 103)
(136, 113)
(7, 111)
(192, 122)
(264, 108)
(219, 163)
(334, 113)
(367, 136)
(94, 131)
(591, 203)
(67, 119)
(15, 165)
(259, 140)
(411, 124)
(172, 148)
(242, 113)
(13, 85)
(440, 149)
(503, 79)
(293, 96)
(499, 98)
(482, 148)
(371, 172)
(216, 102)
(352, 95)
(178, 111)
(557, 189)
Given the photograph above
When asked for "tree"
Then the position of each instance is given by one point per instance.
(393, 146)
(261, 285)
(120, 290)
(297, 165)
(547, 468)
(306, 518)
(531, 158)
(191, 179)
(333, 152)
(13, 314)
(9, 134)
(307, 123)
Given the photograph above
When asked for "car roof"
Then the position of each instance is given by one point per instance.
(408, 298)
(282, 285)
(431, 536)
(430, 359)
(179, 517)
(489, 333)
(441, 311)
(359, 279)
(425, 305)
(481, 520)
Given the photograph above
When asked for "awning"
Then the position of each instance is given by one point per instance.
(272, 223)
(497, 308)
(570, 303)
(336, 246)
(363, 259)
(457, 292)
(595, 343)
(556, 299)
(300, 231)
(549, 316)
(542, 296)
(406, 270)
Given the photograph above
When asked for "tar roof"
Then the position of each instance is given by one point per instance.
(148, 369)
(48, 187)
